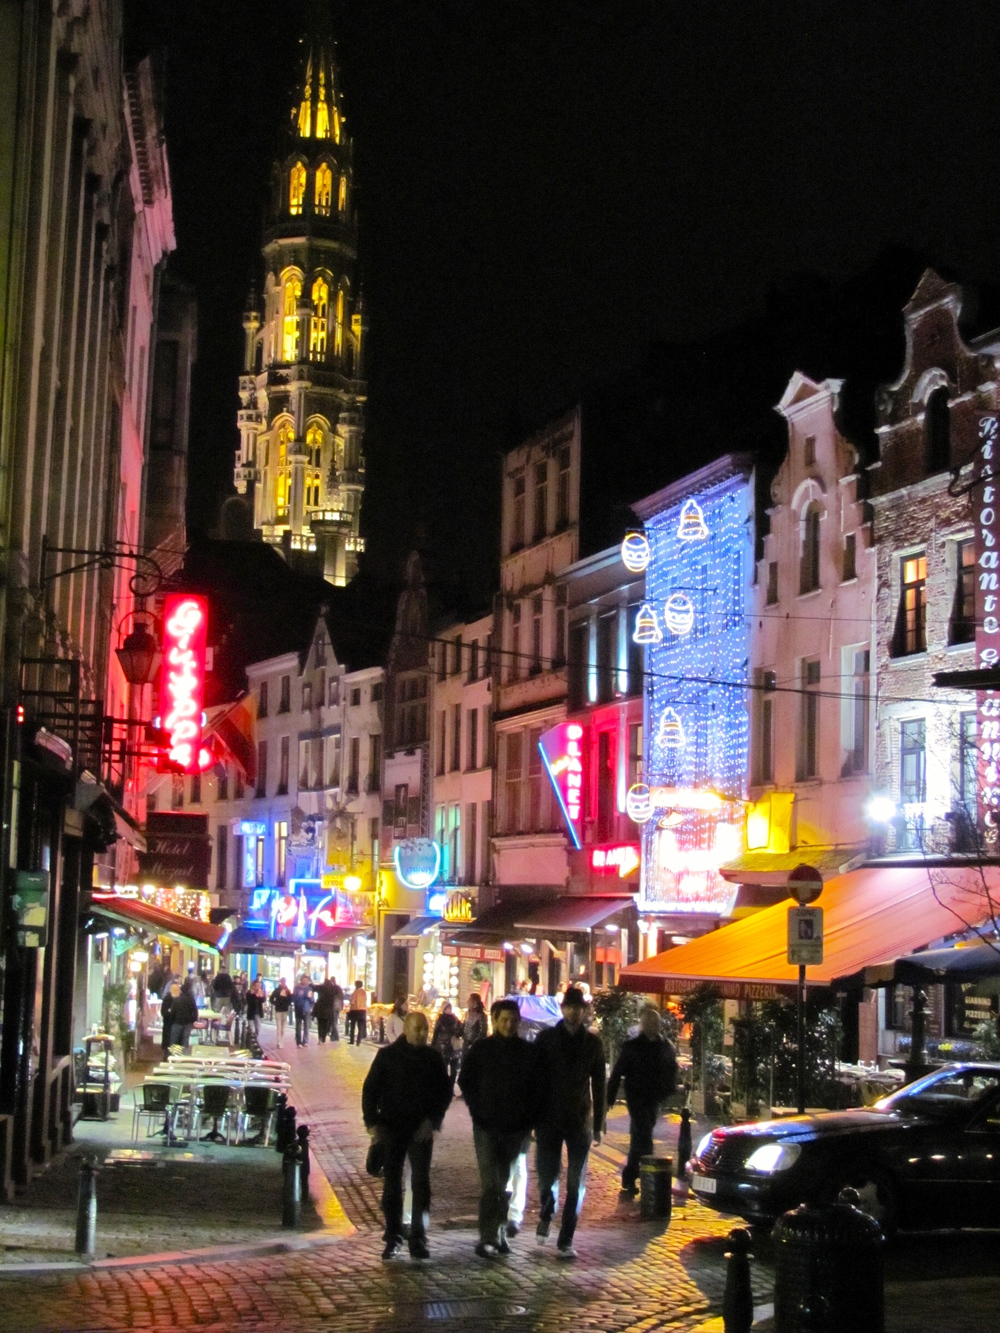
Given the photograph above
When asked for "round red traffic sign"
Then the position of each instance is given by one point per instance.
(805, 884)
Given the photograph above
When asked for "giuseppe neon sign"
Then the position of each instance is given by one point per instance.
(561, 749)
(182, 687)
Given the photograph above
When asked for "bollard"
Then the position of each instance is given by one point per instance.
(281, 1101)
(737, 1302)
(286, 1128)
(291, 1187)
(828, 1270)
(684, 1143)
(654, 1187)
(303, 1137)
(86, 1208)
(381, 1032)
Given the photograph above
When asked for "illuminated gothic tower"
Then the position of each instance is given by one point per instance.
(302, 391)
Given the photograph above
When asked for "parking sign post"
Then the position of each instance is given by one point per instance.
(805, 945)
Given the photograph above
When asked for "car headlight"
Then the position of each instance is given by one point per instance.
(703, 1144)
(773, 1157)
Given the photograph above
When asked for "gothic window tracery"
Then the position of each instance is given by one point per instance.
(322, 112)
(305, 109)
(296, 187)
(338, 336)
(318, 321)
(283, 480)
(291, 291)
(324, 188)
(314, 444)
(342, 195)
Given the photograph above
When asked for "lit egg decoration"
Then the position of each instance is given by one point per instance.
(647, 630)
(635, 552)
(692, 526)
(678, 613)
(639, 803)
(671, 733)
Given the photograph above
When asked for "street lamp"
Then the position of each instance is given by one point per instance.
(139, 656)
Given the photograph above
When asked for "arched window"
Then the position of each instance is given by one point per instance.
(290, 318)
(324, 188)
(305, 108)
(283, 481)
(322, 112)
(342, 195)
(312, 490)
(338, 336)
(296, 187)
(318, 322)
(809, 566)
(336, 125)
(937, 432)
(314, 445)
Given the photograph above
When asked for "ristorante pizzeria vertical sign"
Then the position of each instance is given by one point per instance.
(986, 499)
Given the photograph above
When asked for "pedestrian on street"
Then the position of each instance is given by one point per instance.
(338, 1004)
(573, 1078)
(223, 987)
(167, 1007)
(648, 1064)
(357, 1015)
(499, 1080)
(475, 1027)
(447, 1039)
(197, 986)
(183, 1016)
(302, 1001)
(403, 1102)
(397, 1017)
(281, 1002)
(256, 1000)
(323, 1009)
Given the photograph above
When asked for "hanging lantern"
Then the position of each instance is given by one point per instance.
(692, 526)
(639, 803)
(646, 628)
(678, 614)
(671, 733)
(635, 552)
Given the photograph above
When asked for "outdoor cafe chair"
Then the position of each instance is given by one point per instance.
(155, 1105)
(260, 1103)
(215, 1104)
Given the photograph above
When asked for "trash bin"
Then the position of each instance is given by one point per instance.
(828, 1271)
(654, 1187)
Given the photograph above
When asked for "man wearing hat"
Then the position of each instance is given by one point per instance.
(573, 1110)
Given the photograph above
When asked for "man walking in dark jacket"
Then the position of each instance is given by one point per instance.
(573, 1077)
(404, 1099)
(500, 1083)
(648, 1065)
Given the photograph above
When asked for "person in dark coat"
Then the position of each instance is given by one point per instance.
(338, 1005)
(323, 1009)
(183, 1016)
(447, 1039)
(403, 1102)
(256, 999)
(573, 1110)
(648, 1065)
(167, 1014)
(499, 1080)
(222, 992)
(475, 1027)
(302, 1003)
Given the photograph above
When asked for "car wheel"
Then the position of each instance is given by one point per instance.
(878, 1200)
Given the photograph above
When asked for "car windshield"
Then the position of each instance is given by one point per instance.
(944, 1092)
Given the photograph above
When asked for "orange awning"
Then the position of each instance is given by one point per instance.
(133, 912)
(869, 915)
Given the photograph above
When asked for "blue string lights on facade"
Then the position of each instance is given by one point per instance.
(700, 533)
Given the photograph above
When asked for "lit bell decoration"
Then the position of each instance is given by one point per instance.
(639, 803)
(671, 733)
(692, 526)
(635, 552)
(646, 628)
(678, 614)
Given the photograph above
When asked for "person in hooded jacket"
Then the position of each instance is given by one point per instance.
(183, 1016)
(648, 1065)
(323, 1009)
(500, 1081)
(403, 1102)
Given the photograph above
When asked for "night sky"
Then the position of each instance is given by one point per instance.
(549, 188)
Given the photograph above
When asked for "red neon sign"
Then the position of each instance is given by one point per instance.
(562, 750)
(182, 685)
(621, 860)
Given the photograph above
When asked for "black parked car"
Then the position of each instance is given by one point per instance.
(926, 1157)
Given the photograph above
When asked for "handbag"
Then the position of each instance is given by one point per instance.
(375, 1161)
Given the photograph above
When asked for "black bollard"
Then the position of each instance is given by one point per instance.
(291, 1187)
(303, 1137)
(737, 1303)
(281, 1101)
(684, 1144)
(86, 1208)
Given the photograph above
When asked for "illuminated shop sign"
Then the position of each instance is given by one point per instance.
(437, 901)
(458, 907)
(562, 753)
(182, 687)
(305, 911)
(251, 828)
(621, 860)
(986, 506)
(417, 861)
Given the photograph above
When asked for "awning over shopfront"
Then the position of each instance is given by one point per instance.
(971, 964)
(414, 931)
(771, 869)
(569, 915)
(245, 939)
(491, 927)
(132, 912)
(868, 914)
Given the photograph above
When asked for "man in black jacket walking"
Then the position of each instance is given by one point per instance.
(404, 1099)
(573, 1076)
(648, 1065)
(500, 1083)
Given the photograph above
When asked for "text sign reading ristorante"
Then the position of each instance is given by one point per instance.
(182, 688)
(986, 503)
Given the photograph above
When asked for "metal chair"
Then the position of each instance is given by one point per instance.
(260, 1103)
(215, 1105)
(157, 1099)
